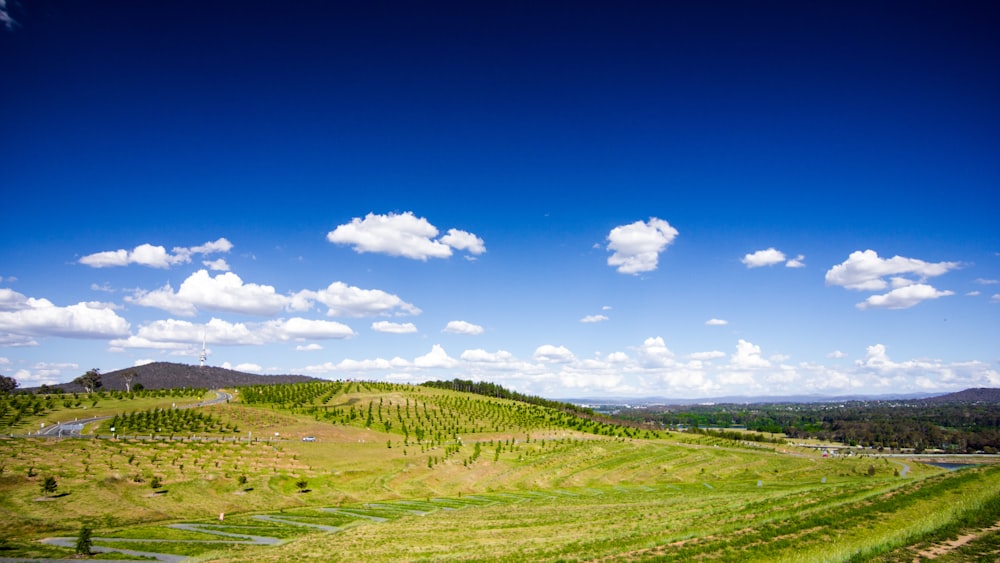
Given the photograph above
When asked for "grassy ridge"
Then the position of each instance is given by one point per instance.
(486, 476)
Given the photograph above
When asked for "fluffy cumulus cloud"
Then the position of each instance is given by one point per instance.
(436, 358)
(344, 300)
(594, 319)
(903, 297)
(404, 235)
(153, 256)
(924, 374)
(553, 354)
(748, 356)
(770, 257)
(227, 292)
(394, 328)
(462, 327)
(654, 353)
(224, 292)
(636, 247)
(461, 240)
(867, 271)
(24, 317)
(716, 322)
(760, 258)
(174, 334)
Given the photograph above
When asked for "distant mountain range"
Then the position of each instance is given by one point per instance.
(979, 395)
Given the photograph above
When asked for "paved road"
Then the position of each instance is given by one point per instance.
(75, 428)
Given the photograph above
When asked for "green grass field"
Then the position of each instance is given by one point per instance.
(464, 477)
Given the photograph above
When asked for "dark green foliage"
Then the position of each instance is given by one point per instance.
(83, 541)
(49, 485)
(488, 389)
(918, 424)
(155, 421)
(7, 384)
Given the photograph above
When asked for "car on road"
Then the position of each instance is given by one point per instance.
(309, 439)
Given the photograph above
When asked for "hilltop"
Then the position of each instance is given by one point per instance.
(974, 396)
(168, 375)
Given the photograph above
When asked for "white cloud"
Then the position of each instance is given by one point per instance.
(637, 246)
(747, 356)
(227, 292)
(770, 257)
(219, 265)
(343, 300)
(865, 270)
(972, 294)
(436, 358)
(760, 258)
(313, 347)
(797, 262)
(982, 281)
(553, 354)
(706, 356)
(403, 235)
(652, 369)
(482, 356)
(716, 322)
(594, 319)
(995, 298)
(106, 259)
(152, 256)
(224, 292)
(903, 297)
(836, 355)
(5, 18)
(654, 353)
(25, 317)
(249, 368)
(394, 328)
(461, 240)
(172, 334)
(308, 329)
(462, 327)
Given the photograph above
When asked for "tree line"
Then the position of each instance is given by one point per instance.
(918, 425)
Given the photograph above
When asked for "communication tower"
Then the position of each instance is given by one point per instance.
(204, 352)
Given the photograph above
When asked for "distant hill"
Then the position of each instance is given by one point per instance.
(978, 395)
(167, 375)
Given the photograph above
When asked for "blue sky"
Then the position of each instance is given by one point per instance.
(567, 198)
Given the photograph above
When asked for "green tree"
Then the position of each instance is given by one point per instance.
(7, 384)
(302, 484)
(90, 381)
(49, 485)
(83, 541)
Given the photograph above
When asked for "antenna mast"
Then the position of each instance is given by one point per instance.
(204, 353)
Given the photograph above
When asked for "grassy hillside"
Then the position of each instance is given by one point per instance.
(400, 472)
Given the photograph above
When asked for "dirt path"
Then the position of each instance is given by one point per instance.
(944, 548)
